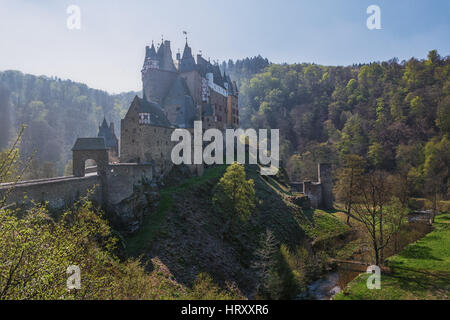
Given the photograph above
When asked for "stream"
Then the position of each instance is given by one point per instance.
(325, 288)
(330, 284)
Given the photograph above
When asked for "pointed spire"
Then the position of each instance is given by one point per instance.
(152, 52)
(187, 61)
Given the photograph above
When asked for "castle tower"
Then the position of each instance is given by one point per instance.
(151, 58)
(158, 73)
(326, 181)
(111, 141)
(187, 62)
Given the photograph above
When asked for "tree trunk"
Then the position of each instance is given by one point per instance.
(350, 200)
(434, 208)
(375, 249)
(381, 236)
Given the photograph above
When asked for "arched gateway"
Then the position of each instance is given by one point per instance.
(89, 148)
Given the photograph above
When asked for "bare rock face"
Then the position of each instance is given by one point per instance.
(128, 215)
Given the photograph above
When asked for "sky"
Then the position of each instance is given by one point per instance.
(107, 52)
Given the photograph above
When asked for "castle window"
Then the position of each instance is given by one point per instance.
(144, 118)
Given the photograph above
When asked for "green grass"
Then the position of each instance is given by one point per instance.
(425, 204)
(348, 249)
(153, 223)
(420, 271)
(321, 225)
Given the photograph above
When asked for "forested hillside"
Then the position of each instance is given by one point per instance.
(396, 116)
(245, 68)
(55, 112)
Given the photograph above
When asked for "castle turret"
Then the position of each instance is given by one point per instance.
(107, 132)
(165, 56)
(159, 72)
(151, 60)
(187, 61)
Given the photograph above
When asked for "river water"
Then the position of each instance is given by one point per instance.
(325, 288)
(330, 284)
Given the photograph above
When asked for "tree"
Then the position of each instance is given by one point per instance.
(396, 218)
(294, 167)
(265, 266)
(353, 137)
(372, 196)
(436, 170)
(346, 185)
(407, 157)
(48, 170)
(5, 119)
(68, 170)
(235, 195)
(11, 168)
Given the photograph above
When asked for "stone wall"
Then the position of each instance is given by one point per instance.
(125, 191)
(141, 143)
(232, 112)
(60, 193)
(130, 193)
(122, 178)
(314, 192)
(320, 193)
(194, 83)
(220, 105)
(326, 180)
(80, 157)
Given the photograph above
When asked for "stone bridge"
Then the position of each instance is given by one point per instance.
(113, 185)
(59, 192)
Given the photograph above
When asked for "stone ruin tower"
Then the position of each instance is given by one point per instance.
(326, 181)
(320, 193)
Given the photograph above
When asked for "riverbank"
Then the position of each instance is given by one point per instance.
(420, 271)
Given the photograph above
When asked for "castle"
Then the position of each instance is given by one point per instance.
(175, 94)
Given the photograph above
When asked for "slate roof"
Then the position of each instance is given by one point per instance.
(89, 144)
(151, 52)
(186, 115)
(157, 116)
(187, 61)
(177, 92)
(179, 95)
(217, 76)
(164, 55)
(108, 133)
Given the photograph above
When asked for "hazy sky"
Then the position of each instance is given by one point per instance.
(108, 51)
